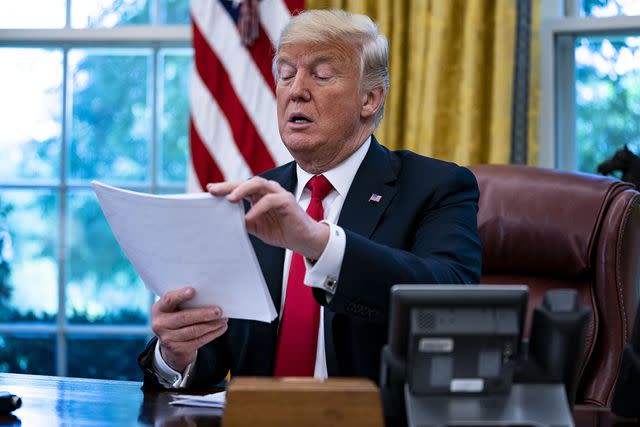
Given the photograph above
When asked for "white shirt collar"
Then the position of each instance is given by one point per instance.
(341, 176)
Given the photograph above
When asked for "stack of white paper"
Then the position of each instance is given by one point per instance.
(214, 400)
(193, 240)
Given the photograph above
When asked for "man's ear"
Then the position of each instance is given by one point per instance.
(371, 102)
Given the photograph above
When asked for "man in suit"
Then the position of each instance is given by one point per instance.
(333, 231)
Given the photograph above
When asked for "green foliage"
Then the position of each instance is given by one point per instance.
(608, 105)
(5, 289)
(40, 158)
(110, 139)
(89, 357)
(105, 358)
(588, 5)
(174, 125)
(128, 13)
(5, 269)
(27, 354)
(177, 12)
(92, 249)
(111, 121)
(120, 317)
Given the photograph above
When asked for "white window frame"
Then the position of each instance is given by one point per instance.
(155, 37)
(561, 25)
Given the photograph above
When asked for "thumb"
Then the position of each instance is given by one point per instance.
(170, 301)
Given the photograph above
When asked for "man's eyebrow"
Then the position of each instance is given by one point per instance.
(332, 59)
(282, 60)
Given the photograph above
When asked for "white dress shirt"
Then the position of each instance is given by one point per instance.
(323, 274)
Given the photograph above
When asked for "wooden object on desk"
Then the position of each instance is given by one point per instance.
(297, 402)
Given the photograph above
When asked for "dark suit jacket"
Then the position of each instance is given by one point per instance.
(423, 230)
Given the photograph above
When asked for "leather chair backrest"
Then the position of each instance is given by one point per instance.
(556, 229)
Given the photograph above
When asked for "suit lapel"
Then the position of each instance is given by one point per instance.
(375, 177)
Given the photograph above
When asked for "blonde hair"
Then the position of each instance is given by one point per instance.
(337, 26)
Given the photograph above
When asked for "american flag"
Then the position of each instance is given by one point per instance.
(375, 198)
(233, 127)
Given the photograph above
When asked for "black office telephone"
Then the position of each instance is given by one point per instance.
(625, 396)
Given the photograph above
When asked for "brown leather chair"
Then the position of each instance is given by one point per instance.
(555, 229)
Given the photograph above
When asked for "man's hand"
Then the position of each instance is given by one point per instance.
(275, 217)
(183, 332)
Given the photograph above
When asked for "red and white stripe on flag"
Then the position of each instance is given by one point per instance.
(233, 127)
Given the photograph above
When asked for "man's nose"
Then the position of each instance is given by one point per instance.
(299, 89)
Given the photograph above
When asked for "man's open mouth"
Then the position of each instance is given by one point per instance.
(299, 119)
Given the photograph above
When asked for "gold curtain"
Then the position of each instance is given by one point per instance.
(534, 85)
(451, 69)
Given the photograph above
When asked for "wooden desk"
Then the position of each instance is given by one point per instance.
(56, 401)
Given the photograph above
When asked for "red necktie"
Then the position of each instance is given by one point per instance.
(298, 337)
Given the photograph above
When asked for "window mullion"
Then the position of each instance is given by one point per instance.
(67, 18)
(156, 12)
(572, 8)
(155, 133)
(153, 89)
(61, 344)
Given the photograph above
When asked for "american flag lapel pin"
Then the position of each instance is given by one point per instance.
(375, 198)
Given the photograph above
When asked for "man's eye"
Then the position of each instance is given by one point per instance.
(286, 77)
(322, 77)
(286, 72)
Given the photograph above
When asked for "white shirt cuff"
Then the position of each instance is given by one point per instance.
(325, 272)
(167, 376)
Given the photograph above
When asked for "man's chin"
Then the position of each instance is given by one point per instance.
(300, 144)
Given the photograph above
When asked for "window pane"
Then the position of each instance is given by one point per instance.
(29, 271)
(175, 11)
(102, 286)
(603, 8)
(113, 358)
(109, 13)
(175, 67)
(27, 354)
(32, 14)
(607, 98)
(111, 123)
(30, 113)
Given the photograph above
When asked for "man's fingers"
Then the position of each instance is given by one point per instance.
(182, 349)
(222, 188)
(179, 348)
(268, 203)
(254, 188)
(190, 316)
(210, 336)
(192, 332)
(170, 301)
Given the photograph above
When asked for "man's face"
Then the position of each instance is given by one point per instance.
(319, 104)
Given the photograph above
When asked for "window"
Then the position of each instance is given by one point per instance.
(591, 76)
(607, 97)
(91, 90)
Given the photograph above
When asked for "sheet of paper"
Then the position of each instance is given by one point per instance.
(214, 400)
(190, 239)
